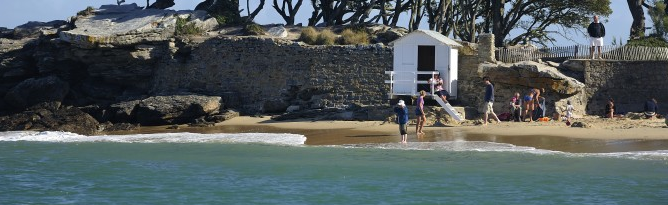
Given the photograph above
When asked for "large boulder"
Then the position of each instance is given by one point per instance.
(121, 26)
(33, 91)
(45, 119)
(123, 111)
(532, 74)
(176, 109)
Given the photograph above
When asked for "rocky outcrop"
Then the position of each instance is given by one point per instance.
(36, 29)
(33, 91)
(531, 75)
(45, 119)
(161, 110)
(126, 25)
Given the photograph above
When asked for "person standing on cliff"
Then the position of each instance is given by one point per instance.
(596, 32)
(402, 120)
(489, 101)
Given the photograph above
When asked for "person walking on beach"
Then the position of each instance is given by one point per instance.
(650, 108)
(402, 120)
(419, 112)
(569, 111)
(437, 81)
(489, 101)
(596, 32)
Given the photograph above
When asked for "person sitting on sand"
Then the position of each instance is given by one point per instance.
(402, 119)
(650, 108)
(516, 107)
(437, 81)
(610, 108)
(419, 112)
(528, 106)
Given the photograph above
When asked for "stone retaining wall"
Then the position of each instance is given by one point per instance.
(629, 83)
(268, 75)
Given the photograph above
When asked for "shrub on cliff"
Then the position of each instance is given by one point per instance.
(326, 37)
(253, 29)
(351, 37)
(86, 12)
(309, 35)
(650, 41)
(185, 28)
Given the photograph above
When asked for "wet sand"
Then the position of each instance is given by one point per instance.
(549, 136)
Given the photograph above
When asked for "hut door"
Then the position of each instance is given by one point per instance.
(426, 62)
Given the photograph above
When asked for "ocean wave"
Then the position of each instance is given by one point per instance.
(52, 136)
(484, 146)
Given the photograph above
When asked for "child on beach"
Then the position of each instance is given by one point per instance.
(569, 111)
(402, 119)
(516, 107)
(419, 112)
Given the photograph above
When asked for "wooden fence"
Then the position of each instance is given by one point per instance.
(611, 52)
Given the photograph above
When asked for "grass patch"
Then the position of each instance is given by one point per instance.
(253, 29)
(351, 37)
(86, 12)
(309, 35)
(185, 28)
(326, 37)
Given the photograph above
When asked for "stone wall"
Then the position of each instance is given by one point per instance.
(268, 75)
(629, 83)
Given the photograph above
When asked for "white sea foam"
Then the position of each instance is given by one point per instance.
(483, 146)
(264, 138)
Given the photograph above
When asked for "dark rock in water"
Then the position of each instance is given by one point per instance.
(161, 110)
(582, 125)
(37, 90)
(228, 114)
(66, 119)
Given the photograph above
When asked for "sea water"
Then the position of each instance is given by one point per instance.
(257, 168)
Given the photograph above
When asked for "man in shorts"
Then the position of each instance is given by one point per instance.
(489, 101)
(596, 32)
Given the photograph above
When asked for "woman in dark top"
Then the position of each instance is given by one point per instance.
(610, 108)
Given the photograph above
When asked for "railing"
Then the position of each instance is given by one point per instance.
(414, 82)
(611, 52)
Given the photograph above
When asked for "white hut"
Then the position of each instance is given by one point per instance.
(418, 56)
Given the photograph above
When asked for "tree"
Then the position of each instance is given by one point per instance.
(225, 10)
(533, 17)
(638, 25)
(257, 10)
(160, 4)
(657, 12)
(288, 13)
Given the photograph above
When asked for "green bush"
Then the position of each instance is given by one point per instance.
(650, 41)
(86, 12)
(185, 28)
(253, 29)
(309, 35)
(350, 37)
(326, 37)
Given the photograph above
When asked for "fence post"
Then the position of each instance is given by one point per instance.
(576, 51)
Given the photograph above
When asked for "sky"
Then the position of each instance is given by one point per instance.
(16, 12)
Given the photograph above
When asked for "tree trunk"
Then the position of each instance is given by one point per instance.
(497, 20)
(638, 14)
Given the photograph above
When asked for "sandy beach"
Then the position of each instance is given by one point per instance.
(602, 135)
